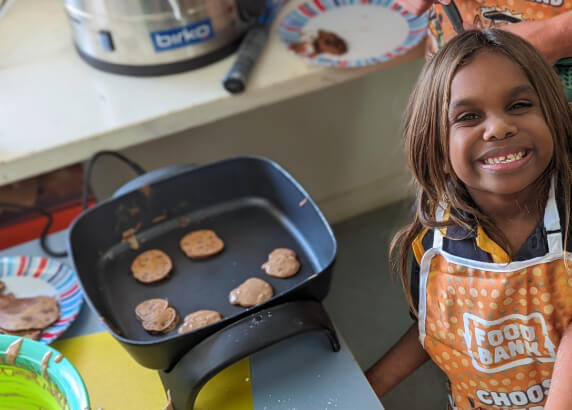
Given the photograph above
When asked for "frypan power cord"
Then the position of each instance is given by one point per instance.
(89, 168)
(44, 234)
(86, 190)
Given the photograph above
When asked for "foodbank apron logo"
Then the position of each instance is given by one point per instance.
(504, 344)
(508, 342)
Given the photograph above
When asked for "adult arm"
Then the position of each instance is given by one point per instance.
(406, 356)
(560, 393)
(419, 7)
(416, 7)
(551, 36)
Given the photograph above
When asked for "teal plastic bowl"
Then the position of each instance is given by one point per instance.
(38, 379)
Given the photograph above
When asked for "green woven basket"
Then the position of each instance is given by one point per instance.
(564, 70)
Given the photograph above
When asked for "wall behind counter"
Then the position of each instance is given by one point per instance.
(343, 144)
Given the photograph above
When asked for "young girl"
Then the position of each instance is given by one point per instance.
(488, 136)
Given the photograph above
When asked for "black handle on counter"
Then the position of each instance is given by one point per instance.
(239, 340)
(249, 51)
(454, 16)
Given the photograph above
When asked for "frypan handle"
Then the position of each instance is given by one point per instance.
(152, 177)
(239, 340)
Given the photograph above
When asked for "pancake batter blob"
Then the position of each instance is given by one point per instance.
(281, 263)
(198, 319)
(252, 292)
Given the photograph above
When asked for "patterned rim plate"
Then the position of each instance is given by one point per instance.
(33, 276)
(374, 30)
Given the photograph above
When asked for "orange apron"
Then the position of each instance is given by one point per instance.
(494, 328)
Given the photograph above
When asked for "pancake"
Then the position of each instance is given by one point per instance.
(148, 308)
(201, 244)
(252, 292)
(151, 266)
(18, 314)
(156, 316)
(198, 319)
(281, 263)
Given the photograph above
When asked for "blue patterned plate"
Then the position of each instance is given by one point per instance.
(373, 30)
(27, 276)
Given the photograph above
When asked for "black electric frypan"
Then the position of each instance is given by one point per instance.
(254, 206)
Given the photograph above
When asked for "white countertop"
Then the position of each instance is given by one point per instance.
(56, 110)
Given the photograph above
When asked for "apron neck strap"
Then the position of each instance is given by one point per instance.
(551, 222)
(437, 235)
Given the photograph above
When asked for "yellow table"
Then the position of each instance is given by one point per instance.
(115, 381)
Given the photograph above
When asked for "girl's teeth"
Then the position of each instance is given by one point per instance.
(505, 159)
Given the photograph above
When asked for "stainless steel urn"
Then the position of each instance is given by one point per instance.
(154, 37)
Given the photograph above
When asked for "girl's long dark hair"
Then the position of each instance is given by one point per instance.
(426, 133)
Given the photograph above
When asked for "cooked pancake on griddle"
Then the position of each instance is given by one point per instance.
(151, 266)
(162, 322)
(156, 316)
(148, 308)
(201, 244)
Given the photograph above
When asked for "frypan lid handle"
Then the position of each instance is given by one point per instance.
(152, 177)
(239, 340)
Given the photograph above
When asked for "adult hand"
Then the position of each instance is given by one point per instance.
(419, 7)
(552, 36)
(538, 34)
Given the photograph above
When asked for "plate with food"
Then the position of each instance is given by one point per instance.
(39, 297)
(345, 33)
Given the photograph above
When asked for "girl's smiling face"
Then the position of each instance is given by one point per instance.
(499, 142)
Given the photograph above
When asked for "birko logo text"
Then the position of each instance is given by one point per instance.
(182, 36)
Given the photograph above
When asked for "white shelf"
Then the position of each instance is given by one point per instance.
(56, 110)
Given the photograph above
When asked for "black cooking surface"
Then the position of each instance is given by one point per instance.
(250, 228)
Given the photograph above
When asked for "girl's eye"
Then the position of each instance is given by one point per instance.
(520, 105)
(470, 116)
